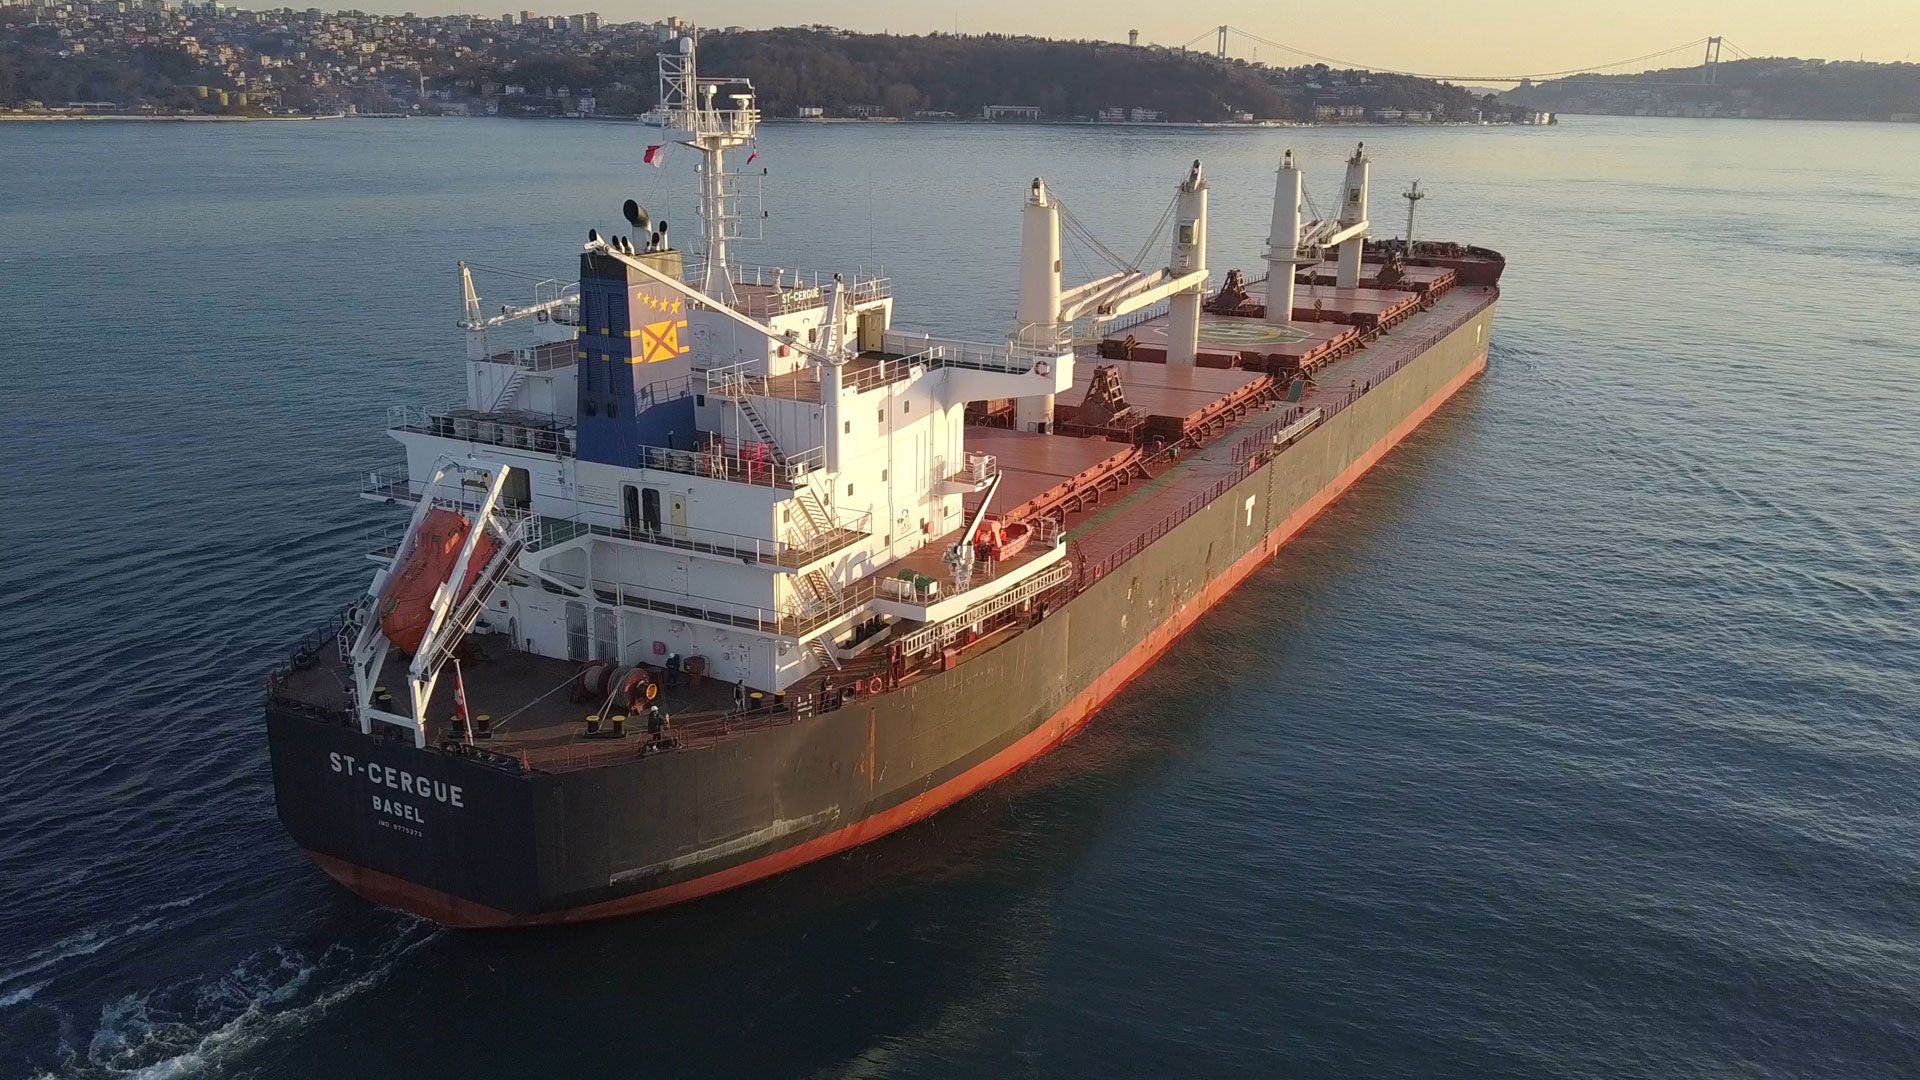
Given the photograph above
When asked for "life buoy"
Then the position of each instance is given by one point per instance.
(540, 315)
(1041, 367)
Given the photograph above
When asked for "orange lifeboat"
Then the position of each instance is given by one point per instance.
(406, 604)
(999, 542)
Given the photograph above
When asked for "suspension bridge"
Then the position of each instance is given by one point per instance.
(1224, 39)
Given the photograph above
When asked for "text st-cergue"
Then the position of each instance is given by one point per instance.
(398, 780)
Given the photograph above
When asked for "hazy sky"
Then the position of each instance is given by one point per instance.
(1465, 37)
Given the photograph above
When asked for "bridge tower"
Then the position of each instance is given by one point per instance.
(1220, 49)
(1709, 68)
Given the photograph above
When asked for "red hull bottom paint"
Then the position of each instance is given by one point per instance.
(449, 910)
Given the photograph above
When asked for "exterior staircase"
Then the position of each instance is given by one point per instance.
(822, 652)
(816, 591)
(761, 429)
(814, 523)
(507, 392)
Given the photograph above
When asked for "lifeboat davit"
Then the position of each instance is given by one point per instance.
(999, 542)
(406, 604)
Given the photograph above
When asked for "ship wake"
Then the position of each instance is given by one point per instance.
(200, 1025)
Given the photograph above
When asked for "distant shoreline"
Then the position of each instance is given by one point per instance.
(1898, 118)
(783, 121)
(48, 118)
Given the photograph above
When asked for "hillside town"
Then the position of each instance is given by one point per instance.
(206, 59)
(211, 57)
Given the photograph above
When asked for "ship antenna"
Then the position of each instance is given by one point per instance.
(690, 109)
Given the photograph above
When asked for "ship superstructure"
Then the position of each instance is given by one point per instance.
(697, 530)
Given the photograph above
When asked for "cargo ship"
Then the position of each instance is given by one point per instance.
(715, 570)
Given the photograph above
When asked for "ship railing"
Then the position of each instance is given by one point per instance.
(545, 356)
(975, 469)
(790, 620)
(393, 483)
(383, 544)
(735, 461)
(1132, 319)
(891, 370)
(1331, 397)
(1165, 525)
(546, 532)
(1328, 402)
(1291, 427)
(940, 634)
(681, 734)
(1047, 533)
(695, 120)
(745, 379)
(309, 651)
(514, 429)
(390, 482)
(1014, 358)
(793, 290)
(801, 616)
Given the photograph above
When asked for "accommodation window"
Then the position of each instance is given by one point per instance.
(700, 400)
(847, 427)
(849, 491)
(883, 476)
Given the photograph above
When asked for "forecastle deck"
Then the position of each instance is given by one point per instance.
(553, 841)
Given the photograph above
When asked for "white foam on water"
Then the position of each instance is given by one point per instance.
(185, 1028)
(20, 996)
(92, 939)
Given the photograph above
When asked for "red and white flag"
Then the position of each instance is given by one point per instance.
(755, 154)
(655, 155)
(460, 701)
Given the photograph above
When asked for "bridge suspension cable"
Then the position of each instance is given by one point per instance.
(1331, 61)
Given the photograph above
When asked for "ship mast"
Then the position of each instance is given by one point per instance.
(693, 111)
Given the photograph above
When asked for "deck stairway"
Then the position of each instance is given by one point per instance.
(823, 652)
(507, 392)
(761, 429)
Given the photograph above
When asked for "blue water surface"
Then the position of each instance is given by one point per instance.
(1579, 740)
